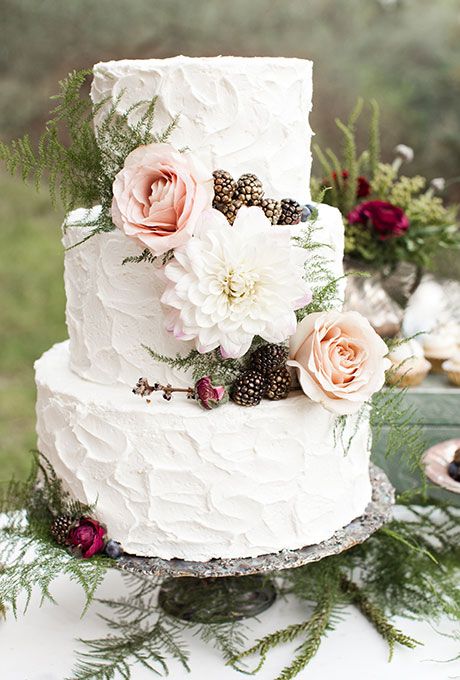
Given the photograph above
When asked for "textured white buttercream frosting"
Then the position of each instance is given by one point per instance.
(243, 114)
(114, 309)
(172, 480)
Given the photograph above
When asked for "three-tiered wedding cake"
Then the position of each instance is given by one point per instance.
(170, 479)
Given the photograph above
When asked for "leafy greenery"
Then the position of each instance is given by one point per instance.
(31, 558)
(80, 163)
(221, 371)
(433, 226)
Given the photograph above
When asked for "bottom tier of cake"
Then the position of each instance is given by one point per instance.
(175, 481)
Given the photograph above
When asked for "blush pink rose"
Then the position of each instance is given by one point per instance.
(159, 195)
(339, 358)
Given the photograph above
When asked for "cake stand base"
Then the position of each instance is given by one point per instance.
(216, 600)
(226, 595)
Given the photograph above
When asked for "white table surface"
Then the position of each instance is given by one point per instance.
(41, 644)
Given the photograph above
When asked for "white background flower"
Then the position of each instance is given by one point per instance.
(230, 283)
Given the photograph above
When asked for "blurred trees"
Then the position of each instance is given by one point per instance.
(402, 52)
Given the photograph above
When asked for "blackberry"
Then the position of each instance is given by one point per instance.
(291, 211)
(248, 389)
(271, 208)
(267, 358)
(60, 528)
(278, 384)
(249, 189)
(224, 187)
(229, 209)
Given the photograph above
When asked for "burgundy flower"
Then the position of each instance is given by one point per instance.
(363, 187)
(87, 537)
(387, 220)
(208, 395)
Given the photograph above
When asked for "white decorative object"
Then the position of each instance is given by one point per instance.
(173, 480)
(237, 113)
(231, 283)
(114, 309)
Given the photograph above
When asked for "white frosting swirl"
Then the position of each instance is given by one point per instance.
(237, 113)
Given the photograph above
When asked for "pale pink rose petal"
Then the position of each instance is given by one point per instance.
(159, 195)
(339, 358)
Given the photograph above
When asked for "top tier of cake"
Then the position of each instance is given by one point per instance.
(237, 113)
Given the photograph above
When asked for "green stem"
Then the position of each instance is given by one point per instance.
(315, 627)
(376, 617)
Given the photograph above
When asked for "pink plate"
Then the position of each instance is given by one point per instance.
(436, 459)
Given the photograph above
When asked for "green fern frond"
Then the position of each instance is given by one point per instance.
(145, 256)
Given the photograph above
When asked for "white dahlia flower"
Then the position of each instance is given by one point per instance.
(230, 283)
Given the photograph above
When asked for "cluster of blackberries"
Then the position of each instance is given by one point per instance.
(230, 195)
(266, 376)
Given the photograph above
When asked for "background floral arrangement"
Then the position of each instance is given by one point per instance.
(389, 217)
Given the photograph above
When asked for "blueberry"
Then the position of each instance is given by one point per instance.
(453, 470)
(306, 212)
(113, 549)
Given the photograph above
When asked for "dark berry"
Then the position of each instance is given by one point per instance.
(453, 470)
(113, 549)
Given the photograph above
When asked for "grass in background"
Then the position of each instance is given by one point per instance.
(31, 312)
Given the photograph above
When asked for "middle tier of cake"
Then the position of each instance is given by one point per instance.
(114, 310)
(175, 481)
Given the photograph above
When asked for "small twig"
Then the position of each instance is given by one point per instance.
(144, 389)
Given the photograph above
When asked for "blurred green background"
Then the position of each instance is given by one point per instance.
(402, 52)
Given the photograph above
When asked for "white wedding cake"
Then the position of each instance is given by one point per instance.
(171, 479)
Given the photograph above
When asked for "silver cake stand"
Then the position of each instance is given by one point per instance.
(215, 592)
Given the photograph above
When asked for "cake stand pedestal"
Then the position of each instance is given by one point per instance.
(214, 592)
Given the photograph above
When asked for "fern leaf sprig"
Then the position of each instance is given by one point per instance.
(376, 616)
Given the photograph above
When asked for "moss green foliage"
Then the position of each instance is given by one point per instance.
(80, 163)
(433, 226)
(221, 371)
(31, 558)
(324, 286)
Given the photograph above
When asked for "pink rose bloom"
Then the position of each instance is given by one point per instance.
(340, 360)
(208, 396)
(159, 195)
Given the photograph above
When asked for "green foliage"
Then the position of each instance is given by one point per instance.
(145, 256)
(404, 434)
(139, 633)
(148, 256)
(433, 226)
(80, 163)
(221, 371)
(324, 286)
(31, 557)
